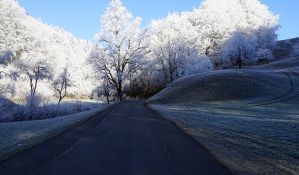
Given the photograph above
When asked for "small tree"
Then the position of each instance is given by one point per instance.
(105, 90)
(239, 49)
(61, 84)
(34, 72)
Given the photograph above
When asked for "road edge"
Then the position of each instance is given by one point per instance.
(53, 134)
(193, 137)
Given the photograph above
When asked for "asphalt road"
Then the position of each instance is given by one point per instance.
(126, 139)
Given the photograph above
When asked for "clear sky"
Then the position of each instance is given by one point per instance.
(81, 17)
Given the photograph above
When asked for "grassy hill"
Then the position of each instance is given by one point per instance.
(248, 119)
(284, 48)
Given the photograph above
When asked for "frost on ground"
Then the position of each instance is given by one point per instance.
(17, 136)
(248, 119)
(10, 111)
(253, 140)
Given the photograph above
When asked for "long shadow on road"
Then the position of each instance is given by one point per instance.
(126, 139)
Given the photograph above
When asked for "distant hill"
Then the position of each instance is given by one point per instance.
(285, 48)
(253, 83)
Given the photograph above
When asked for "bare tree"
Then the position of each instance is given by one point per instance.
(61, 84)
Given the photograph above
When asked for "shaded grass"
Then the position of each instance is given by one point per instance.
(257, 140)
(247, 118)
(224, 85)
(18, 136)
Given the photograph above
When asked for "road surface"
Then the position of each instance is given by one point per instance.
(126, 139)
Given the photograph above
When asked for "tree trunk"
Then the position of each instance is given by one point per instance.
(59, 101)
(58, 106)
(119, 91)
(240, 63)
(108, 100)
(119, 94)
(171, 78)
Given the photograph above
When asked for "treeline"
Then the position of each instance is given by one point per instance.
(218, 34)
(125, 59)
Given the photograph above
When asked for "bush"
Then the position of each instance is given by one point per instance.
(202, 64)
(264, 56)
(7, 109)
(33, 101)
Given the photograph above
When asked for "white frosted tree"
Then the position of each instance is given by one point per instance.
(34, 65)
(179, 45)
(106, 90)
(13, 33)
(216, 21)
(120, 46)
(173, 47)
(200, 65)
(6, 85)
(17, 32)
(168, 46)
(239, 49)
(61, 85)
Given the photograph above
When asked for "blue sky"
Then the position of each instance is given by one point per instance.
(81, 17)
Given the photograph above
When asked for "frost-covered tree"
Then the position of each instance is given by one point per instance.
(3, 74)
(216, 22)
(173, 47)
(203, 64)
(179, 45)
(239, 49)
(18, 31)
(5, 89)
(7, 78)
(106, 90)
(34, 73)
(32, 69)
(120, 46)
(6, 85)
(13, 33)
(61, 85)
(168, 46)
